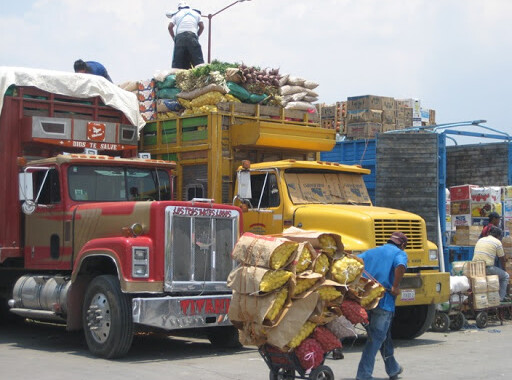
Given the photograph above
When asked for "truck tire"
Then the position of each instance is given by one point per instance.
(107, 318)
(412, 321)
(224, 337)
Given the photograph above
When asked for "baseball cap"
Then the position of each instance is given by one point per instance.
(398, 237)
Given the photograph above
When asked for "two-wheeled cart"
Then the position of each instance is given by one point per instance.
(286, 366)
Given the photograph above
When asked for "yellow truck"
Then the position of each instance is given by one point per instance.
(282, 184)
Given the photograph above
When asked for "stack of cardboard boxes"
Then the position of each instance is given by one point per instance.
(470, 209)
(484, 289)
(333, 116)
(369, 114)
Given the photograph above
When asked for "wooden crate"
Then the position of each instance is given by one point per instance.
(475, 269)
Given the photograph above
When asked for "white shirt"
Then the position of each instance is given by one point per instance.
(186, 20)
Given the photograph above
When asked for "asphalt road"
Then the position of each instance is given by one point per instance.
(45, 352)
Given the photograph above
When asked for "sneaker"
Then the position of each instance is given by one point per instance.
(506, 299)
(395, 377)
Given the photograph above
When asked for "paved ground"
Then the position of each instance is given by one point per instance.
(45, 352)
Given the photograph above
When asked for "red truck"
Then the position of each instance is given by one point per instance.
(95, 241)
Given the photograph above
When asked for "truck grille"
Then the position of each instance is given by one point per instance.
(412, 228)
(199, 242)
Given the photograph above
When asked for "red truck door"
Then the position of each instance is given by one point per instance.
(44, 229)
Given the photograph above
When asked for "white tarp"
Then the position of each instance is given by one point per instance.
(75, 85)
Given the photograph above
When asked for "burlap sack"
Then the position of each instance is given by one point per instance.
(203, 90)
(263, 251)
(289, 326)
(314, 237)
(254, 309)
(246, 280)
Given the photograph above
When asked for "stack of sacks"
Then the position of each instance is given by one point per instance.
(287, 287)
(201, 88)
(167, 104)
(145, 92)
(298, 93)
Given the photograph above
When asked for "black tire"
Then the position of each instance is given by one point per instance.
(412, 321)
(107, 318)
(457, 321)
(224, 337)
(481, 319)
(282, 374)
(441, 322)
(322, 373)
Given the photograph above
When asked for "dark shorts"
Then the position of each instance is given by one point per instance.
(187, 51)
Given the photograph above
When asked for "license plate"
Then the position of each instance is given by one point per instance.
(408, 295)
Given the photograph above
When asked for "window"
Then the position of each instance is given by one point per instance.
(111, 183)
(50, 192)
(265, 192)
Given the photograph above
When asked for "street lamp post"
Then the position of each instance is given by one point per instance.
(210, 16)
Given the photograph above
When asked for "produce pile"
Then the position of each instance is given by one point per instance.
(200, 89)
(298, 292)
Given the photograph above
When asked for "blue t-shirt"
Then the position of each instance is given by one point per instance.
(97, 68)
(381, 262)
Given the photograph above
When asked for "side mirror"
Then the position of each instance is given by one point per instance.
(26, 193)
(244, 184)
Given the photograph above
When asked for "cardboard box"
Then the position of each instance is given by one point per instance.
(490, 194)
(483, 209)
(506, 192)
(388, 117)
(493, 299)
(388, 127)
(507, 208)
(467, 235)
(479, 221)
(432, 117)
(460, 207)
(461, 220)
(364, 102)
(480, 301)
(363, 130)
(363, 116)
(388, 103)
(425, 115)
(460, 193)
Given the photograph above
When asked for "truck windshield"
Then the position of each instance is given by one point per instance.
(326, 187)
(112, 183)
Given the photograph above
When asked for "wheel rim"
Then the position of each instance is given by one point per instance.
(98, 318)
(324, 375)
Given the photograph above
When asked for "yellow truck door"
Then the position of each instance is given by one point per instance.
(265, 214)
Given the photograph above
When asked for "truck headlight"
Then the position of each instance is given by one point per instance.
(140, 262)
(432, 254)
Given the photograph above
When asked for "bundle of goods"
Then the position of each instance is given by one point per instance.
(298, 93)
(290, 291)
(146, 95)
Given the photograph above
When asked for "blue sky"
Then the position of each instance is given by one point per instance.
(454, 55)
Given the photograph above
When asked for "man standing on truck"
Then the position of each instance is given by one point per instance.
(187, 50)
(91, 67)
(387, 264)
(488, 249)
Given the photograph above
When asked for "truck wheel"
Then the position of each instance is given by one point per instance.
(224, 337)
(481, 319)
(107, 318)
(322, 373)
(412, 321)
(457, 321)
(441, 322)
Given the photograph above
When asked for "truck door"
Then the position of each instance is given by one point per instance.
(44, 228)
(265, 215)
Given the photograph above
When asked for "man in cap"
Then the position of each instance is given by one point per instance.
(387, 264)
(188, 24)
(494, 220)
(91, 67)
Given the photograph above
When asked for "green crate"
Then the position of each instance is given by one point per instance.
(169, 157)
(195, 135)
(199, 121)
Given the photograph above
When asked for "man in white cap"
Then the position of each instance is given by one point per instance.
(188, 25)
(387, 264)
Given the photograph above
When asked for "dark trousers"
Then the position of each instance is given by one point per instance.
(187, 51)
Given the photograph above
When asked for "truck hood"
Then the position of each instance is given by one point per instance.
(356, 222)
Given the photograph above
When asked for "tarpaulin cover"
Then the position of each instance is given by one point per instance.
(74, 85)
